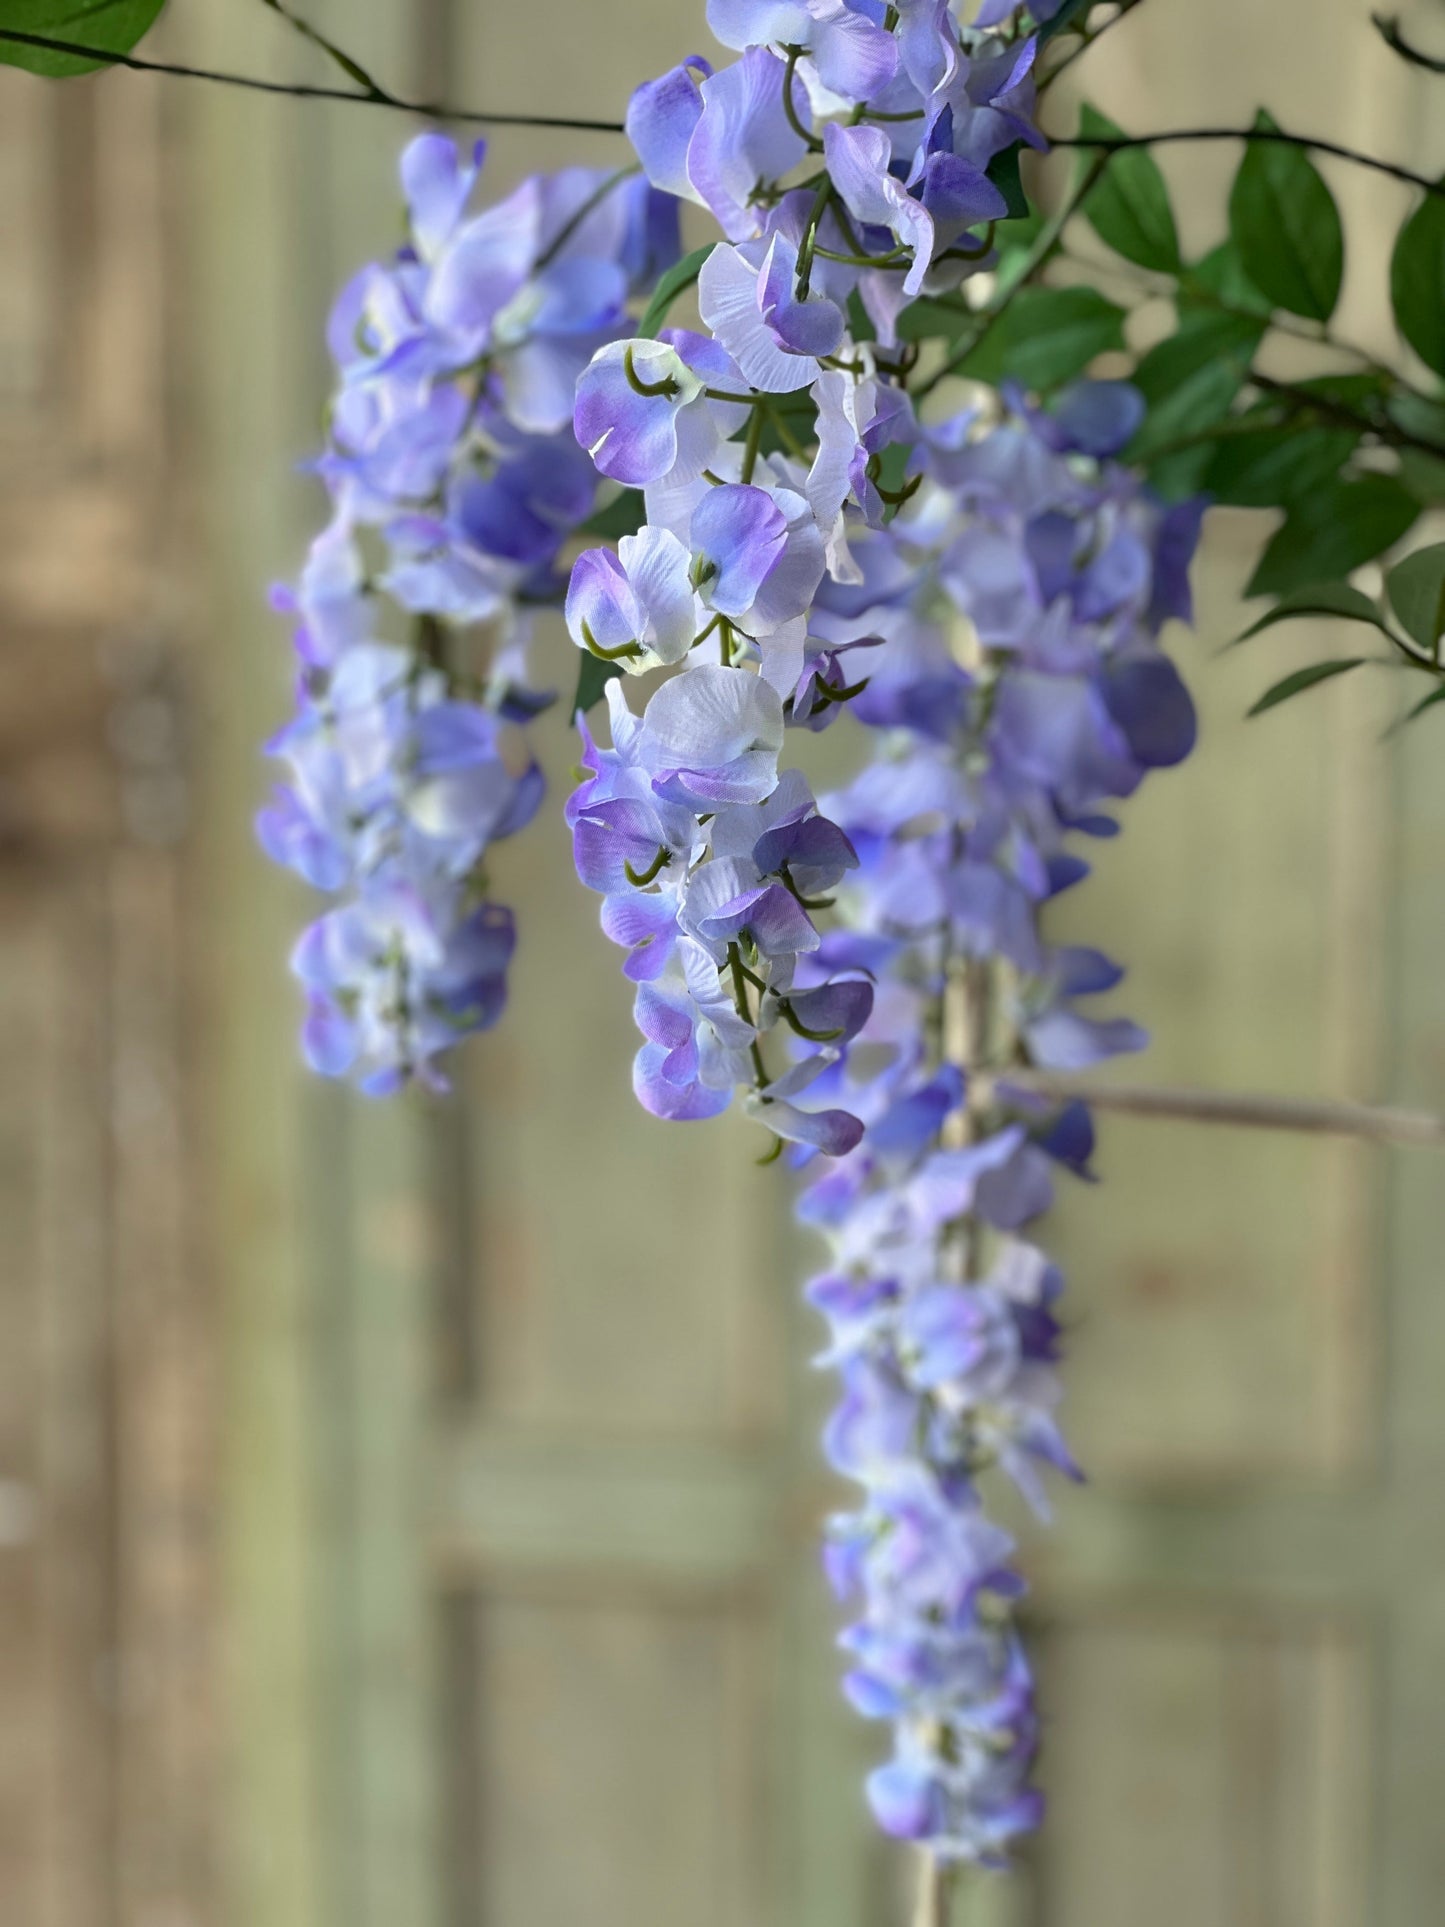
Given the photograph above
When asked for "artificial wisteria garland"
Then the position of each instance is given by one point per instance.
(981, 590)
(454, 480)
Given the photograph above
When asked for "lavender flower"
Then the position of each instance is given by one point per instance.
(454, 480)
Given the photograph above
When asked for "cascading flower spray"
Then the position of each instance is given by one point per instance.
(981, 591)
(984, 593)
(454, 480)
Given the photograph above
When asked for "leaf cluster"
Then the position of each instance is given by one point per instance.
(1349, 459)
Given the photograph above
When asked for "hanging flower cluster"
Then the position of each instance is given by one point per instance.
(454, 479)
(709, 867)
(991, 759)
(984, 593)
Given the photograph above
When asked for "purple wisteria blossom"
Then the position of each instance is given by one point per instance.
(710, 865)
(983, 593)
(1000, 744)
(454, 480)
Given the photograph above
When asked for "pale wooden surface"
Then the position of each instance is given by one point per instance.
(106, 1473)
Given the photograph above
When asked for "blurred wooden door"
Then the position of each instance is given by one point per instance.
(523, 1490)
(105, 1468)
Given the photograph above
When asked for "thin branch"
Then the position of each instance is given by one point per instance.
(1389, 28)
(338, 56)
(930, 1907)
(428, 110)
(1270, 136)
(1126, 7)
(1241, 1109)
(1330, 409)
(1038, 257)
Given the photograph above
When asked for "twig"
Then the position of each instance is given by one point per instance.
(1389, 27)
(1258, 136)
(1126, 7)
(1244, 1110)
(429, 110)
(339, 57)
(371, 95)
(931, 1905)
(1332, 410)
(1038, 257)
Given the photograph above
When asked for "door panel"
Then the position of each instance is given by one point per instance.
(523, 1431)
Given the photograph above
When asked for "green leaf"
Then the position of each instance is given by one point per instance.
(1417, 282)
(1417, 595)
(592, 678)
(1129, 209)
(1334, 530)
(1220, 277)
(1437, 695)
(1003, 170)
(624, 515)
(792, 415)
(1016, 241)
(1302, 679)
(1337, 599)
(860, 322)
(1274, 467)
(1418, 415)
(1190, 379)
(1423, 475)
(681, 275)
(110, 26)
(1046, 337)
(1287, 228)
(928, 320)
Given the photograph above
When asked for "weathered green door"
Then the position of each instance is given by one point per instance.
(523, 1488)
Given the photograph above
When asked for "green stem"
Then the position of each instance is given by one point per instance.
(1251, 136)
(620, 654)
(790, 110)
(654, 870)
(821, 199)
(1038, 257)
(753, 443)
(291, 90)
(1330, 409)
(667, 386)
(1126, 7)
(337, 55)
(594, 200)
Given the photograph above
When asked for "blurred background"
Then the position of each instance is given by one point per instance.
(408, 1513)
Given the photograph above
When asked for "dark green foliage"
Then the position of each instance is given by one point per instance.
(624, 515)
(1190, 381)
(111, 26)
(1273, 467)
(1417, 282)
(1302, 679)
(1191, 377)
(678, 277)
(592, 679)
(1417, 595)
(1333, 531)
(789, 423)
(1339, 599)
(1219, 280)
(1003, 171)
(1129, 209)
(1285, 223)
(1046, 337)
